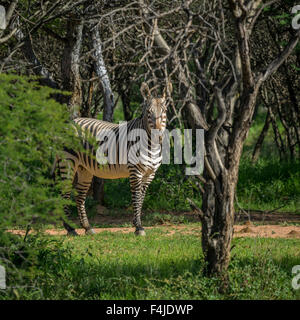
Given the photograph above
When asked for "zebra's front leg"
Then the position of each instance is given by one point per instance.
(146, 180)
(82, 187)
(137, 201)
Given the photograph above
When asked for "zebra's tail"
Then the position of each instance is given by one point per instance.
(54, 166)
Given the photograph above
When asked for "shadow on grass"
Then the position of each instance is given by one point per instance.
(252, 274)
(124, 267)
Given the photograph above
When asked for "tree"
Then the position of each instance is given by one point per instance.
(234, 86)
(236, 104)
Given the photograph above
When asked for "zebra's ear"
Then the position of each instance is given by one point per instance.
(145, 91)
(168, 89)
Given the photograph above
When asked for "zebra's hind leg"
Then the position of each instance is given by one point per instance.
(71, 231)
(82, 187)
(67, 170)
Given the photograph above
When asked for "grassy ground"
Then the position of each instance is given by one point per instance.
(159, 266)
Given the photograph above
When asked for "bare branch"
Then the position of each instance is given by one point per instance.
(276, 63)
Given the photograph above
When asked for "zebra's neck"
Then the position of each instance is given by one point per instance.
(144, 125)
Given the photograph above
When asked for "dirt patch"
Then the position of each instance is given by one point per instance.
(268, 218)
(246, 230)
(268, 231)
(294, 234)
(103, 217)
(263, 231)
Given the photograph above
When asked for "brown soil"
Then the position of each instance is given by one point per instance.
(104, 218)
(269, 224)
(246, 230)
(294, 233)
(263, 231)
(269, 218)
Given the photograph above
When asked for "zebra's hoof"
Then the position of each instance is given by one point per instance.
(72, 233)
(140, 232)
(90, 231)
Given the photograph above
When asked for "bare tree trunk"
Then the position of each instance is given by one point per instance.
(261, 138)
(221, 175)
(70, 66)
(5, 18)
(108, 103)
(217, 222)
(101, 71)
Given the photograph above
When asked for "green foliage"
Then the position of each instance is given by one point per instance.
(33, 129)
(157, 218)
(266, 185)
(269, 182)
(168, 191)
(283, 19)
(160, 266)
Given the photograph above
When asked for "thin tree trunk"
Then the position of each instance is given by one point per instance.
(277, 136)
(286, 124)
(261, 138)
(108, 103)
(70, 66)
(125, 97)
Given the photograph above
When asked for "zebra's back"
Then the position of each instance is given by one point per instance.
(90, 160)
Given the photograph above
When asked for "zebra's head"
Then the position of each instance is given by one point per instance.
(155, 109)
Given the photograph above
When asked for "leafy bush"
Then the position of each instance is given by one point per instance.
(33, 129)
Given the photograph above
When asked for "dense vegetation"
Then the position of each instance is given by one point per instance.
(33, 129)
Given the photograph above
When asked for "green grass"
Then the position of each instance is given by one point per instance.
(159, 266)
(269, 184)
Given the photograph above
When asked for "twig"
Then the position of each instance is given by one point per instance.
(242, 209)
(27, 232)
(195, 207)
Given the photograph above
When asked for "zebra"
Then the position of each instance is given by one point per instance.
(83, 166)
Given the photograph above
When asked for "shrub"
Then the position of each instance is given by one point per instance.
(33, 129)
